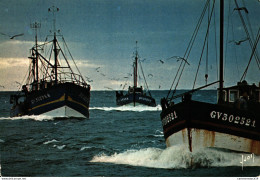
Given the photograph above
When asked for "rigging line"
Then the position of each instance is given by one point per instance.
(192, 44)
(253, 51)
(49, 60)
(144, 78)
(194, 35)
(248, 21)
(174, 80)
(24, 80)
(60, 62)
(207, 54)
(204, 44)
(216, 49)
(248, 35)
(188, 50)
(43, 68)
(175, 89)
(74, 61)
(233, 37)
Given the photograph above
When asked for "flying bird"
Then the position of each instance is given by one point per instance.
(18, 83)
(179, 58)
(12, 37)
(161, 61)
(108, 87)
(88, 79)
(239, 42)
(242, 8)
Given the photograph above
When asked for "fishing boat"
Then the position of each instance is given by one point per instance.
(135, 95)
(52, 87)
(233, 123)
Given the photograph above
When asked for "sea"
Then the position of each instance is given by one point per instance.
(115, 141)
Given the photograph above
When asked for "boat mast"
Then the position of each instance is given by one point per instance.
(135, 67)
(54, 9)
(221, 64)
(36, 26)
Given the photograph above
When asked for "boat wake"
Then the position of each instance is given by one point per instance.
(177, 157)
(31, 117)
(139, 108)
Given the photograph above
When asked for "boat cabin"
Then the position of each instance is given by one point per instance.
(242, 91)
(137, 90)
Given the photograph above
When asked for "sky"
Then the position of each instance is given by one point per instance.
(103, 33)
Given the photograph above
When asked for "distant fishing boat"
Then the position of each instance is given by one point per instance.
(52, 87)
(233, 123)
(135, 94)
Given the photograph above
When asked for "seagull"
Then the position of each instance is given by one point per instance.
(242, 8)
(108, 87)
(12, 37)
(179, 58)
(161, 61)
(18, 83)
(239, 42)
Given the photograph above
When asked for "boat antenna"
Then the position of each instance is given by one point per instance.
(35, 26)
(53, 10)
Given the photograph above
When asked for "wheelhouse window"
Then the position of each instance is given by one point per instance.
(233, 95)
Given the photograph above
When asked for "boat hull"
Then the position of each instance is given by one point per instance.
(60, 100)
(198, 124)
(135, 99)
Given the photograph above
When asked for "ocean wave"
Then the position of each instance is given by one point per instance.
(52, 141)
(2, 141)
(59, 147)
(31, 117)
(138, 108)
(85, 147)
(176, 157)
(158, 133)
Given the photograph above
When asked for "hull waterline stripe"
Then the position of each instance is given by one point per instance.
(71, 100)
(62, 98)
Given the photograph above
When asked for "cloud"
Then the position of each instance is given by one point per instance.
(15, 48)
(13, 62)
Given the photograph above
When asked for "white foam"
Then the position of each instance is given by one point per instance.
(85, 147)
(59, 147)
(158, 133)
(176, 157)
(32, 117)
(138, 108)
(2, 141)
(52, 141)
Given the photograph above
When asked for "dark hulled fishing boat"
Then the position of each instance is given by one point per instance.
(135, 94)
(52, 87)
(233, 123)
